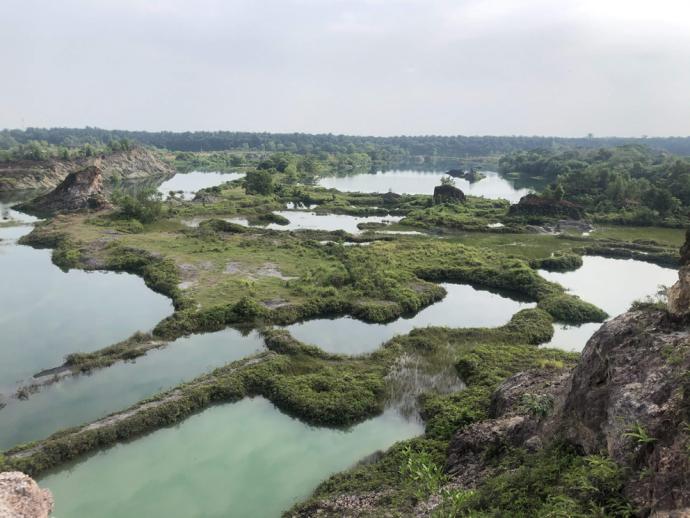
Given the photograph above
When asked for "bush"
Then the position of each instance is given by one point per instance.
(259, 181)
(145, 206)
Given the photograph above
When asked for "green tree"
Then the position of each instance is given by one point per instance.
(259, 181)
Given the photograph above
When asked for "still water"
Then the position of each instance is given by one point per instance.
(611, 284)
(85, 398)
(236, 460)
(463, 306)
(46, 313)
(494, 186)
(190, 183)
(302, 220)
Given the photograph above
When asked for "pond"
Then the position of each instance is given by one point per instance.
(302, 220)
(190, 183)
(81, 399)
(463, 306)
(611, 284)
(241, 459)
(494, 186)
(46, 313)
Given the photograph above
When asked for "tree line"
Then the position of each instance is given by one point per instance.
(627, 184)
(380, 149)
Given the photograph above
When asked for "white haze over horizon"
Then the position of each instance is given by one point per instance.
(371, 67)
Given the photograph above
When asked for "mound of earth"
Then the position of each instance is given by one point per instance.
(135, 164)
(80, 190)
(535, 205)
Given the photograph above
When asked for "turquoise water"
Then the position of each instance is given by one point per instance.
(245, 459)
(46, 313)
(463, 306)
(611, 284)
(85, 398)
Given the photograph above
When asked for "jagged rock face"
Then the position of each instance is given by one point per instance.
(80, 190)
(448, 194)
(135, 164)
(534, 205)
(630, 398)
(20, 497)
(679, 294)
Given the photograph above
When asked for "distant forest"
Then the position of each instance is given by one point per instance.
(379, 148)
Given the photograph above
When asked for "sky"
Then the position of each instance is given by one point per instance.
(366, 67)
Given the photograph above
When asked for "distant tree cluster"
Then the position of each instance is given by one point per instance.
(38, 150)
(649, 186)
(379, 149)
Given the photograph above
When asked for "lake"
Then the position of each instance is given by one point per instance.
(463, 306)
(494, 186)
(84, 398)
(189, 183)
(238, 460)
(611, 284)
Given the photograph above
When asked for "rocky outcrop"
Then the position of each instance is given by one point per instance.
(533, 205)
(679, 293)
(628, 398)
(135, 164)
(447, 193)
(79, 191)
(20, 497)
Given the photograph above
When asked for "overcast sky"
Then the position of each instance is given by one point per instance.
(374, 67)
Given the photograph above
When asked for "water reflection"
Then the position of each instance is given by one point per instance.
(242, 459)
(85, 398)
(189, 183)
(46, 313)
(494, 186)
(463, 306)
(611, 284)
(301, 220)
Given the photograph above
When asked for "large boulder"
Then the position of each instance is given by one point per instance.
(447, 193)
(80, 190)
(627, 398)
(630, 398)
(20, 497)
(539, 206)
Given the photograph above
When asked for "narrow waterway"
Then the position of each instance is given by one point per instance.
(87, 397)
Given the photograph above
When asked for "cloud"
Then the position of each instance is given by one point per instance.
(358, 66)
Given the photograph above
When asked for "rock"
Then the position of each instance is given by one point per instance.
(390, 198)
(20, 497)
(678, 295)
(630, 398)
(80, 190)
(447, 193)
(136, 164)
(535, 205)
